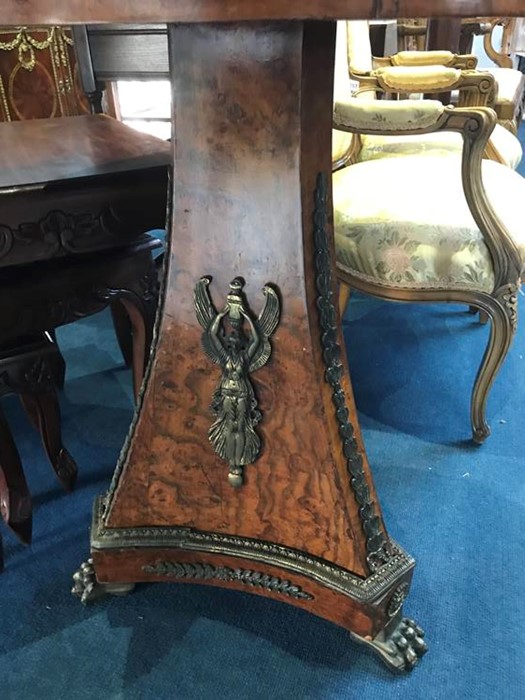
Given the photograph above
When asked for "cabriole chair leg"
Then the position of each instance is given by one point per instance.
(502, 328)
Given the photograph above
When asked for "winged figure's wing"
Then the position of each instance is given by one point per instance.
(204, 308)
(215, 352)
(262, 355)
(206, 313)
(266, 324)
(269, 316)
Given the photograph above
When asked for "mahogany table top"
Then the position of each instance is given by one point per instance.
(21, 12)
(54, 150)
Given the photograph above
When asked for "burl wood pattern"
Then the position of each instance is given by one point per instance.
(253, 113)
(364, 619)
(86, 11)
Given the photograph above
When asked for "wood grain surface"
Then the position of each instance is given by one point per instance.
(92, 11)
(55, 150)
(253, 114)
(365, 619)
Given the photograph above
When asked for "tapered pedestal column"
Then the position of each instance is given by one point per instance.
(245, 466)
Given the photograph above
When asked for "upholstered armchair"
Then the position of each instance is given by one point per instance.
(405, 73)
(432, 227)
(510, 82)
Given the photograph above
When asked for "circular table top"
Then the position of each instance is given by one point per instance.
(24, 12)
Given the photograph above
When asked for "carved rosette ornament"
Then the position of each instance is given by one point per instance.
(238, 353)
(508, 297)
(397, 599)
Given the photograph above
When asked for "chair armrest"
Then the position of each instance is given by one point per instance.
(476, 88)
(417, 78)
(412, 117)
(429, 58)
(385, 117)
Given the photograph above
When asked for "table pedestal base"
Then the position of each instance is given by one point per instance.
(245, 467)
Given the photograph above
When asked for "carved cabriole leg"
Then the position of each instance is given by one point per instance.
(44, 411)
(252, 200)
(502, 310)
(141, 326)
(122, 326)
(15, 499)
(134, 311)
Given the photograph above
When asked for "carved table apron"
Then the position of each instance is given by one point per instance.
(245, 466)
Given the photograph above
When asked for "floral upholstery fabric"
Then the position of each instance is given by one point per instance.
(510, 84)
(386, 116)
(405, 222)
(341, 142)
(441, 143)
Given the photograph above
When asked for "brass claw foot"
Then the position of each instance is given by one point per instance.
(400, 646)
(88, 589)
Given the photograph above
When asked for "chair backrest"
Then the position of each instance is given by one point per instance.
(352, 49)
(359, 48)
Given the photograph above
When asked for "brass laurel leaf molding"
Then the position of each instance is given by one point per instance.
(208, 572)
(370, 589)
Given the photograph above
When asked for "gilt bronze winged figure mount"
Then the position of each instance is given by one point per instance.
(240, 344)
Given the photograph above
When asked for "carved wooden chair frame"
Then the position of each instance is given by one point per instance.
(476, 89)
(509, 114)
(475, 125)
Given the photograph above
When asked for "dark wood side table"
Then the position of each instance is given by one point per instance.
(76, 196)
(268, 491)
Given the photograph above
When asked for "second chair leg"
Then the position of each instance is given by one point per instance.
(123, 331)
(15, 499)
(501, 334)
(142, 320)
(44, 412)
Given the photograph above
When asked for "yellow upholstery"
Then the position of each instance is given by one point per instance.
(405, 221)
(374, 147)
(418, 78)
(510, 84)
(353, 49)
(387, 116)
(420, 58)
(358, 44)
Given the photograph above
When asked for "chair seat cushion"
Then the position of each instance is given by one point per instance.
(441, 143)
(510, 84)
(405, 222)
(341, 142)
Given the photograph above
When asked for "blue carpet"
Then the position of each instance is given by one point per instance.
(521, 135)
(458, 509)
